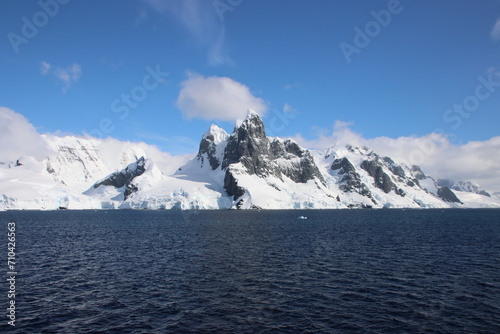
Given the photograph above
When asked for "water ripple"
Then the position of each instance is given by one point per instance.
(373, 271)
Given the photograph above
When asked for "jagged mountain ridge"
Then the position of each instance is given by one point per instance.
(249, 152)
(244, 170)
(467, 186)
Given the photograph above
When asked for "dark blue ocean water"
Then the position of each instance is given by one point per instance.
(343, 271)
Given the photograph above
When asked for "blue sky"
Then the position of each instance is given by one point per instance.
(284, 58)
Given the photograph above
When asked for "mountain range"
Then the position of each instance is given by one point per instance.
(242, 170)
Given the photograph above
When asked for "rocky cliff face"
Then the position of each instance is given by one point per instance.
(417, 173)
(294, 162)
(249, 145)
(244, 169)
(350, 180)
(447, 195)
(211, 147)
(124, 177)
(466, 186)
(381, 179)
(249, 151)
(360, 171)
(440, 188)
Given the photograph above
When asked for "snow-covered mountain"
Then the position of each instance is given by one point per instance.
(243, 170)
(465, 186)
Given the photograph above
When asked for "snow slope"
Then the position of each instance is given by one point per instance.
(242, 170)
(59, 180)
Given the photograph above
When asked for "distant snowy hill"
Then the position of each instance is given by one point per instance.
(464, 186)
(242, 170)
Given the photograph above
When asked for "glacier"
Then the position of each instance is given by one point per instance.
(245, 169)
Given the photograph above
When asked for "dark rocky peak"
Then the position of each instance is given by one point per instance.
(249, 145)
(375, 170)
(215, 135)
(417, 173)
(466, 186)
(361, 150)
(125, 176)
(350, 180)
(343, 165)
(444, 183)
(374, 166)
(394, 167)
(287, 149)
(447, 195)
(209, 145)
(253, 126)
(301, 168)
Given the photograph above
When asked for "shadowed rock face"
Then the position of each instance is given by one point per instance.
(393, 167)
(208, 146)
(466, 186)
(350, 181)
(447, 195)
(382, 180)
(302, 167)
(131, 188)
(249, 145)
(286, 149)
(125, 177)
(306, 170)
(417, 172)
(231, 185)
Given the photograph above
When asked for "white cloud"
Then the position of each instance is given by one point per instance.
(200, 19)
(67, 76)
(476, 161)
(495, 32)
(217, 98)
(18, 137)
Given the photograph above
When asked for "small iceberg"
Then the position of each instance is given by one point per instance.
(301, 217)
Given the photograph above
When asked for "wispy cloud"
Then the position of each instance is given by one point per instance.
(289, 109)
(67, 76)
(45, 67)
(295, 85)
(200, 19)
(495, 32)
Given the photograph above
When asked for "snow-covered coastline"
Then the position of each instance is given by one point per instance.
(242, 170)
